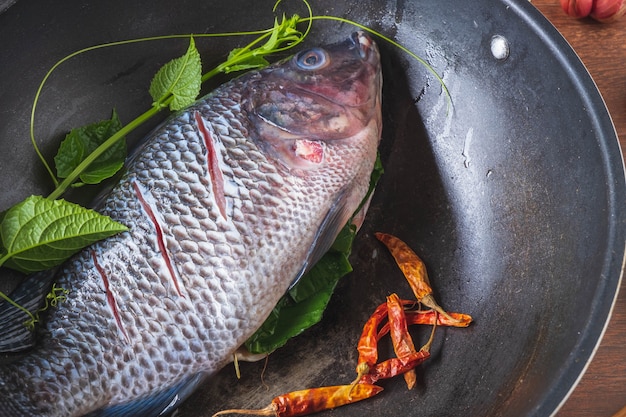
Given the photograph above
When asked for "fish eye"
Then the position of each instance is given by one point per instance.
(312, 59)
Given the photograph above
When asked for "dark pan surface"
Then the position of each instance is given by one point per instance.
(514, 198)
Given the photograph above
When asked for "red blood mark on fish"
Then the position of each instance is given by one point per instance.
(110, 298)
(217, 178)
(159, 234)
(310, 150)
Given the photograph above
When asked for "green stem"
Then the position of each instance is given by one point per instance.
(102, 46)
(236, 59)
(290, 37)
(392, 42)
(54, 67)
(163, 103)
(138, 121)
(16, 305)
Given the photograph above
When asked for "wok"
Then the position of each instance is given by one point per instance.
(514, 195)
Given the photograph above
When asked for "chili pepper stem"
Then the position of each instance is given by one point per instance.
(270, 410)
(430, 302)
(426, 347)
(361, 370)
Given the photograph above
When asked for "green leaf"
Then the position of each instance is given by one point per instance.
(81, 142)
(289, 320)
(178, 80)
(324, 274)
(345, 238)
(39, 234)
(248, 61)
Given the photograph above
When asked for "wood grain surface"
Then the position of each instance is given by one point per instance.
(602, 48)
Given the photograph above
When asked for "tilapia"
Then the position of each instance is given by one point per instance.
(227, 203)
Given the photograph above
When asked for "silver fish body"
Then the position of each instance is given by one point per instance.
(226, 203)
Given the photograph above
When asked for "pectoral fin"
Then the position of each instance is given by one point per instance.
(335, 219)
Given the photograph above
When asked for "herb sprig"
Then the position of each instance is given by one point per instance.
(95, 152)
(42, 232)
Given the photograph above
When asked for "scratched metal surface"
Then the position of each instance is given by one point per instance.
(514, 196)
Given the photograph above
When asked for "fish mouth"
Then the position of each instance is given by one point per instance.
(365, 45)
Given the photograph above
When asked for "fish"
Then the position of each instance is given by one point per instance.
(227, 203)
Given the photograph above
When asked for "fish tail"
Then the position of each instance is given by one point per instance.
(29, 296)
(15, 337)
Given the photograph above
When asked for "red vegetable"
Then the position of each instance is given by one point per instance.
(368, 342)
(601, 10)
(608, 10)
(393, 367)
(577, 8)
(309, 401)
(402, 341)
(414, 271)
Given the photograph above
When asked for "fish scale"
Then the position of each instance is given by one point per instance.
(151, 312)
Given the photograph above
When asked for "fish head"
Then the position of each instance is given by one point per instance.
(328, 96)
(317, 117)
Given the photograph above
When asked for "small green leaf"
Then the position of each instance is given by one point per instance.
(39, 234)
(179, 79)
(81, 142)
(247, 61)
(345, 238)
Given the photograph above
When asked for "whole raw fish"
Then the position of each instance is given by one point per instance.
(227, 203)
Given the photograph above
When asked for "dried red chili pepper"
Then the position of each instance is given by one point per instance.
(411, 265)
(414, 270)
(432, 317)
(428, 317)
(368, 342)
(402, 341)
(393, 367)
(309, 401)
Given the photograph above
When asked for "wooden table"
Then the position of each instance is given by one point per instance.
(602, 48)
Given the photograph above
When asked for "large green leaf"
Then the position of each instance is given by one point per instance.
(39, 234)
(81, 142)
(180, 78)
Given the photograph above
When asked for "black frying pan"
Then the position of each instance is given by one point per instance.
(514, 198)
